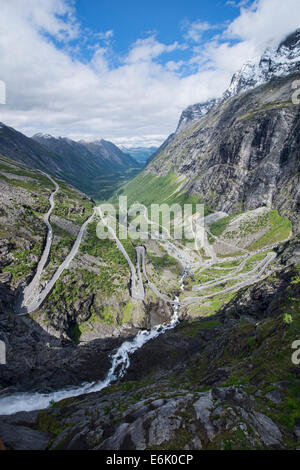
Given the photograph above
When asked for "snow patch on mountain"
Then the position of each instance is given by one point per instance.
(194, 113)
(41, 135)
(275, 62)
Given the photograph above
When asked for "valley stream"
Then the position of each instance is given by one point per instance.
(120, 362)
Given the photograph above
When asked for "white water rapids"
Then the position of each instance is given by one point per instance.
(120, 363)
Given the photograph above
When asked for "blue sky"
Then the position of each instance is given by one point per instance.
(124, 70)
(169, 21)
(132, 19)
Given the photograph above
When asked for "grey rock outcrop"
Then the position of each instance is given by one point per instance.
(195, 421)
(193, 113)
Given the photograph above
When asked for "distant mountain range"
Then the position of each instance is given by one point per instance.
(140, 154)
(96, 168)
(97, 153)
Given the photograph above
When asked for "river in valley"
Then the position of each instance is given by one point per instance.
(120, 363)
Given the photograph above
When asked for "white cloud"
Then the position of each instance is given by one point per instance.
(54, 17)
(194, 31)
(145, 50)
(238, 4)
(135, 99)
(266, 22)
(106, 35)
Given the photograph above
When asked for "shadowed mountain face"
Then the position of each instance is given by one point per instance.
(88, 166)
(15, 145)
(100, 153)
(100, 164)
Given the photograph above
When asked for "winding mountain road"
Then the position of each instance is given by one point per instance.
(140, 258)
(254, 277)
(137, 288)
(233, 274)
(140, 250)
(31, 300)
(30, 291)
(36, 303)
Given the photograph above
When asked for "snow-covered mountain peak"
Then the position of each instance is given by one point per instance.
(42, 135)
(275, 62)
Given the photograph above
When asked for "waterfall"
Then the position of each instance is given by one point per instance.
(120, 363)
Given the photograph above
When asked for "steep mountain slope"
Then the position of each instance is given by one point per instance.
(242, 155)
(244, 152)
(279, 62)
(163, 145)
(98, 167)
(15, 145)
(85, 168)
(282, 61)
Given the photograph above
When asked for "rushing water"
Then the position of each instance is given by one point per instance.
(120, 363)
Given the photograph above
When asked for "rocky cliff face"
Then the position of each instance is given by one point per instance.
(193, 113)
(244, 152)
(275, 62)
